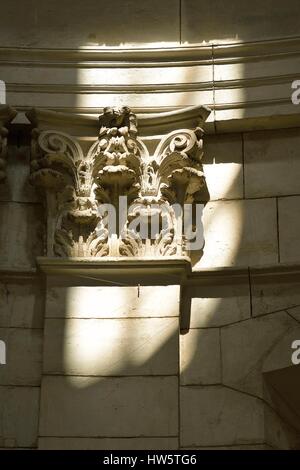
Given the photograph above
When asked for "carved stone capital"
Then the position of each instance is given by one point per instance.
(79, 183)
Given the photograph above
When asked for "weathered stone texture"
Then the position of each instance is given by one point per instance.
(142, 346)
(289, 229)
(110, 407)
(19, 414)
(272, 163)
(239, 233)
(200, 357)
(112, 302)
(216, 415)
(22, 234)
(219, 304)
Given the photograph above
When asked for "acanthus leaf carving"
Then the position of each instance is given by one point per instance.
(77, 183)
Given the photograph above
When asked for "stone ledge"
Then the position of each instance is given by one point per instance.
(166, 266)
(14, 274)
(117, 270)
(231, 51)
(228, 274)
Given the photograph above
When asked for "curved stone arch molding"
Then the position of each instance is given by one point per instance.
(194, 54)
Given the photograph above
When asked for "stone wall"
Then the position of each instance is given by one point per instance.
(226, 380)
(21, 300)
(149, 22)
(243, 324)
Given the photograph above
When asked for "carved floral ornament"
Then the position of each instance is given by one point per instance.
(116, 172)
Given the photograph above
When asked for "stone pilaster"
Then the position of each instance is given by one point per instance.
(111, 354)
(113, 312)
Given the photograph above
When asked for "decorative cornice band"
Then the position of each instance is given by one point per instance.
(104, 268)
(148, 87)
(226, 275)
(149, 57)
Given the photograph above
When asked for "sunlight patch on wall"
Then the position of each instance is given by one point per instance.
(109, 332)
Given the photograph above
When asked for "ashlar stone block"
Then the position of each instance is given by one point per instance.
(110, 407)
(200, 357)
(105, 347)
(218, 416)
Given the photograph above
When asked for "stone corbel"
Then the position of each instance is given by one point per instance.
(7, 114)
(77, 181)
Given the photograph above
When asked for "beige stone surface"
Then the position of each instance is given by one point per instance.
(231, 98)
(138, 443)
(61, 24)
(223, 166)
(218, 416)
(271, 296)
(272, 163)
(143, 346)
(21, 237)
(241, 447)
(19, 412)
(97, 101)
(200, 357)
(280, 355)
(17, 187)
(112, 302)
(217, 304)
(110, 407)
(289, 228)
(253, 346)
(106, 76)
(239, 233)
(21, 304)
(150, 22)
(253, 79)
(238, 69)
(260, 115)
(278, 434)
(295, 313)
(240, 21)
(23, 356)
